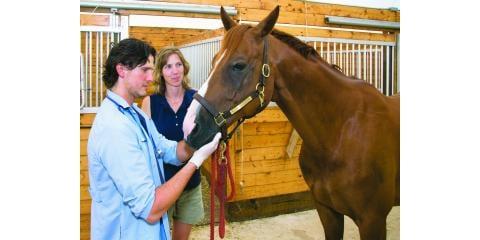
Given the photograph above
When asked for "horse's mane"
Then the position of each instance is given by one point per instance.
(304, 49)
(307, 51)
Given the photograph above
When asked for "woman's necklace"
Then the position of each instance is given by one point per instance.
(174, 103)
(174, 97)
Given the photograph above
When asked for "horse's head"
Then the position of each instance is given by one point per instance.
(239, 85)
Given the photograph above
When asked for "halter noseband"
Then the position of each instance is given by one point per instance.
(222, 117)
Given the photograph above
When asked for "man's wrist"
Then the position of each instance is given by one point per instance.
(185, 151)
(194, 164)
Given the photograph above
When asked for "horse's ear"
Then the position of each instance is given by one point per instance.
(226, 20)
(266, 25)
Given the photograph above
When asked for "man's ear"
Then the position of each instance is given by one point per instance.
(120, 70)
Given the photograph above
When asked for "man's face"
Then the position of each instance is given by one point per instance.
(138, 79)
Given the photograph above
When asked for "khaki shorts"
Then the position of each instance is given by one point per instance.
(189, 207)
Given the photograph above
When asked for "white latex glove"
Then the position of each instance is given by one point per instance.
(206, 150)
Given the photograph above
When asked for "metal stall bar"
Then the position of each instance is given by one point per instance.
(329, 60)
(347, 64)
(381, 70)
(321, 49)
(97, 83)
(371, 66)
(82, 82)
(387, 72)
(335, 54)
(352, 60)
(392, 88)
(398, 62)
(341, 57)
(365, 63)
(90, 84)
(376, 67)
(85, 69)
(101, 61)
(359, 66)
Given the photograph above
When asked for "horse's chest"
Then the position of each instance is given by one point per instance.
(319, 168)
(324, 176)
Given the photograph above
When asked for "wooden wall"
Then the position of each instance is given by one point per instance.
(86, 121)
(291, 12)
(262, 167)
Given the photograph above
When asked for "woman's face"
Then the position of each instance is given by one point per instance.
(173, 71)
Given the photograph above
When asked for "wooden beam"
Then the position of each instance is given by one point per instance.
(94, 20)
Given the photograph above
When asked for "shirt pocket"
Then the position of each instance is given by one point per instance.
(96, 195)
(142, 141)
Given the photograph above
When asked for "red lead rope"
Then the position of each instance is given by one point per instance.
(220, 168)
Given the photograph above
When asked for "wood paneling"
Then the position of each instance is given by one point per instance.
(85, 225)
(291, 12)
(270, 114)
(270, 190)
(86, 120)
(256, 128)
(162, 37)
(94, 20)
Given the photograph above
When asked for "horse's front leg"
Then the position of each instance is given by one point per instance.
(372, 227)
(332, 222)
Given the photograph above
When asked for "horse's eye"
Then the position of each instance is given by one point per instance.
(237, 67)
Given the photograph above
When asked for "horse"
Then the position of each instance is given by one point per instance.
(350, 155)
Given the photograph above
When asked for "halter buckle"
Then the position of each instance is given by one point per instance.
(220, 120)
(266, 70)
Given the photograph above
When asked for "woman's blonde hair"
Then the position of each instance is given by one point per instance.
(160, 61)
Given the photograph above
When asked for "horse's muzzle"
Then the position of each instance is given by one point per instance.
(204, 131)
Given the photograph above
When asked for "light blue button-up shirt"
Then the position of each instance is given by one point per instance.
(123, 171)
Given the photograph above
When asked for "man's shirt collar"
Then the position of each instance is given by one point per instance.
(118, 100)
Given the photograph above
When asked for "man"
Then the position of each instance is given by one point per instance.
(129, 195)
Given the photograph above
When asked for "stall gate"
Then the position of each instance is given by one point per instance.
(371, 61)
(200, 56)
(95, 44)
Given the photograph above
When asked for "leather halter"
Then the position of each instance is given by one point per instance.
(222, 117)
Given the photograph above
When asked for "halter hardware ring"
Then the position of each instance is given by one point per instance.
(223, 147)
(220, 120)
(266, 70)
(261, 94)
(260, 88)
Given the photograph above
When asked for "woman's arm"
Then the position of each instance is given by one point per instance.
(146, 106)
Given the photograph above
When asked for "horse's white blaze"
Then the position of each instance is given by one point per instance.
(189, 121)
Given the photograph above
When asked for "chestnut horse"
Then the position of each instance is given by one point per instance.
(350, 156)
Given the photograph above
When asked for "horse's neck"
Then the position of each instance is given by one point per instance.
(311, 96)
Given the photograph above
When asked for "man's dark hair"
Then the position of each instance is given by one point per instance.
(129, 52)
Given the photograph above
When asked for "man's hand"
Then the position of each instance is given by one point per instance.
(201, 154)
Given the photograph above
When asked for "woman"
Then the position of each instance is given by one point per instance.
(167, 108)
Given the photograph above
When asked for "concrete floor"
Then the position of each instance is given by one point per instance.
(300, 225)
